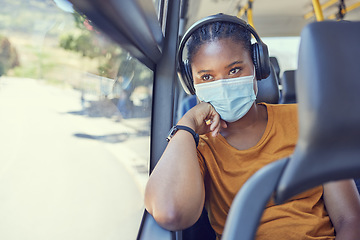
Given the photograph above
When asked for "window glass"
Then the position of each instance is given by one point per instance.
(74, 128)
(157, 5)
(285, 49)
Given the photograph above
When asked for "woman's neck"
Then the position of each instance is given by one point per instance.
(256, 114)
(247, 131)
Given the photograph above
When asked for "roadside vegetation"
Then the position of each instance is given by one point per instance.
(8, 56)
(63, 48)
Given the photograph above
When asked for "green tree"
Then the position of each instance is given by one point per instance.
(8, 55)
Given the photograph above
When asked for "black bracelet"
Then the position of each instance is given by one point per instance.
(174, 129)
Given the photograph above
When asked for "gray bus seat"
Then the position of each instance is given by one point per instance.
(268, 88)
(357, 182)
(186, 104)
(275, 63)
(329, 139)
(288, 94)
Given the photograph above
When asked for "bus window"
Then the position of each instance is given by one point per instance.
(75, 127)
(285, 49)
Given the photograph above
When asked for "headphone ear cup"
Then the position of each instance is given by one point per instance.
(189, 77)
(261, 60)
(187, 70)
(185, 75)
(256, 60)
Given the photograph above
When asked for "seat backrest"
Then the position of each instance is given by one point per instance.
(288, 87)
(357, 182)
(275, 63)
(186, 103)
(268, 89)
(328, 104)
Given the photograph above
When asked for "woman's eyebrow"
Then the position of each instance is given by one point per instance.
(228, 66)
(203, 71)
(234, 63)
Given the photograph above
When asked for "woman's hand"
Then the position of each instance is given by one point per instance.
(203, 119)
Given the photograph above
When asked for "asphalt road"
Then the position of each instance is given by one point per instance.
(60, 177)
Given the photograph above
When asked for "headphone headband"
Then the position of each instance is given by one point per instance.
(260, 51)
(216, 18)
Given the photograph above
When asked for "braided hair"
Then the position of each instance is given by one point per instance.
(216, 31)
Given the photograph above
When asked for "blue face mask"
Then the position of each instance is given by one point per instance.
(232, 98)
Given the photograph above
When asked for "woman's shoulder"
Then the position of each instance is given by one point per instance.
(282, 107)
(283, 116)
(208, 143)
(282, 110)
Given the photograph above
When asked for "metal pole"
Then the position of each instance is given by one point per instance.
(243, 10)
(318, 11)
(249, 13)
(323, 7)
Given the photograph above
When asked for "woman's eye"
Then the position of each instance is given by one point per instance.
(206, 77)
(234, 71)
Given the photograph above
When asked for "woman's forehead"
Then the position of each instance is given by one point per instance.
(220, 50)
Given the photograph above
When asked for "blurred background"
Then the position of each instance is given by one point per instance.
(75, 114)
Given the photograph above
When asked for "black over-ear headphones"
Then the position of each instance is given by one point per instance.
(260, 54)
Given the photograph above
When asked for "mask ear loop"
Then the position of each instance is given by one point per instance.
(254, 73)
(256, 89)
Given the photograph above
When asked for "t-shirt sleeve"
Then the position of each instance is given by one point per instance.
(201, 158)
(201, 163)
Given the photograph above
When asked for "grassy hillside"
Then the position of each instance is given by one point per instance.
(27, 16)
(37, 29)
(34, 28)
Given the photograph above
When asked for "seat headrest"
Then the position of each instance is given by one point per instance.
(288, 87)
(328, 97)
(268, 88)
(275, 63)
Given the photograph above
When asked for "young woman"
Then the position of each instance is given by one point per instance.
(237, 138)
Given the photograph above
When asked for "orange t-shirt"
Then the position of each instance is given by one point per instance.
(225, 169)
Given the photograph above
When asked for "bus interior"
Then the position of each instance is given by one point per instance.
(140, 39)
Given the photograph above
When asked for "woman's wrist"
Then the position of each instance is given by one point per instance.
(185, 121)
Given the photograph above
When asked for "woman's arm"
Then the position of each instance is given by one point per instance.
(175, 192)
(342, 202)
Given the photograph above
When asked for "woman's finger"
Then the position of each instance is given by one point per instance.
(216, 124)
(223, 123)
